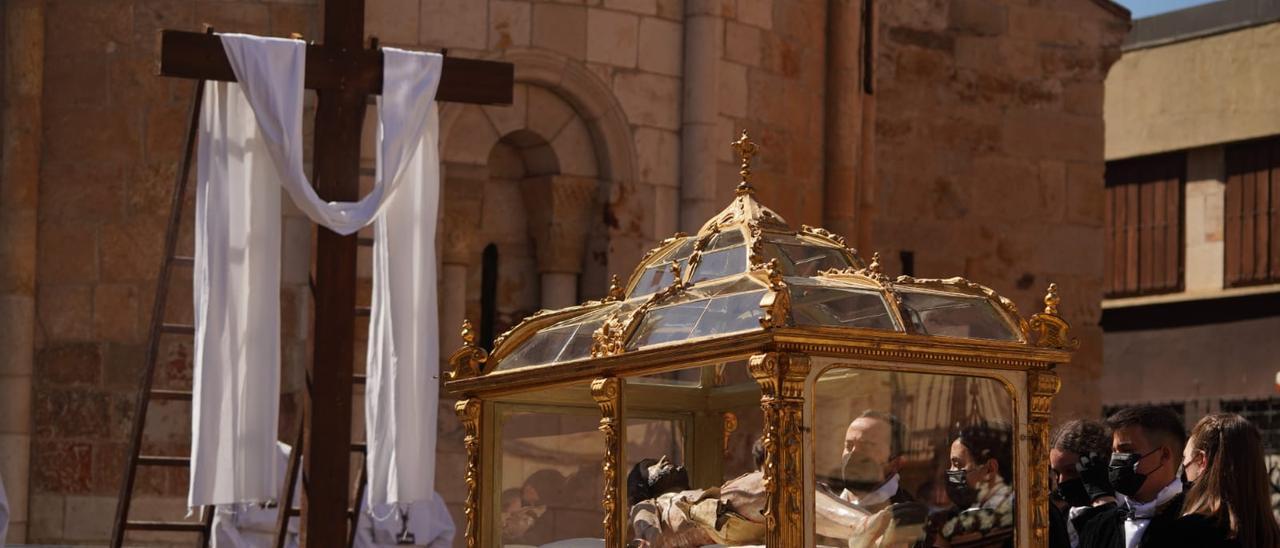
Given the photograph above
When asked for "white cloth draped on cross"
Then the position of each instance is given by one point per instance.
(250, 147)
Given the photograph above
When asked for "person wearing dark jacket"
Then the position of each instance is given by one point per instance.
(1146, 445)
(1228, 503)
(1078, 457)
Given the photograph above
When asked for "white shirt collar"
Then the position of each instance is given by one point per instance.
(881, 495)
(1145, 510)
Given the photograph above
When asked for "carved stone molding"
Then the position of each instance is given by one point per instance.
(781, 379)
(559, 209)
(607, 392)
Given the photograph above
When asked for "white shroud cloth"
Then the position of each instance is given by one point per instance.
(250, 146)
(4, 513)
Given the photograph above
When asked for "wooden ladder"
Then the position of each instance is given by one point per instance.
(159, 328)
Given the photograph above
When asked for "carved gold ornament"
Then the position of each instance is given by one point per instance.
(469, 411)
(781, 379)
(469, 360)
(746, 149)
(607, 393)
(1047, 329)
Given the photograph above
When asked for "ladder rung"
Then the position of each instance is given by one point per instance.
(358, 379)
(362, 312)
(154, 460)
(174, 395)
(366, 242)
(359, 447)
(178, 329)
(181, 260)
(295, 512)
(185, 526)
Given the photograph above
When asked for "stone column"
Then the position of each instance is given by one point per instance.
(19, 181)
(460, 222)
(703, 40)
(843, 129)
(559, 212)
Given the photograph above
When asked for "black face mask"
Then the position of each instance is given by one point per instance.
(1123, 472)
(958, 489)
(1074, 492)
(861, 474)
(1182, 475)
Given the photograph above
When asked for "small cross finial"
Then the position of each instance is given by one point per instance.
(1051, 300)
(746, 149)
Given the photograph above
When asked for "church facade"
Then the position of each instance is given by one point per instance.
(954, 137)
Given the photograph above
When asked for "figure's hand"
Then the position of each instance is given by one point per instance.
(1094, 473)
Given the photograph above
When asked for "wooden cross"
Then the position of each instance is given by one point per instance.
(344, 73)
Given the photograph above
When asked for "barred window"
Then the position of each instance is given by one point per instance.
(1253, 213)
(1263, 413)
(1143, 225)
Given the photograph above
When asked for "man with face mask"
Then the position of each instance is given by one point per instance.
(1079, 457)
(873, 448)
(1146, 445)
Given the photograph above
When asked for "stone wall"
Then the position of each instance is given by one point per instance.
(988, 147)
(112, 137)
(989, 153)
(1209, 90)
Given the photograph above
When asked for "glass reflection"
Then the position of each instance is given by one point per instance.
(913, 459)
(954, 315)
(550, 477)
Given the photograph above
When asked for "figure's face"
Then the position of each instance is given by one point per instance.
(976, 475)
(869, 437)
(1063, 463)
(1153, 461)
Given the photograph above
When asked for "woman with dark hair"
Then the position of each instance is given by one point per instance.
(979, 482)
(1229, 501)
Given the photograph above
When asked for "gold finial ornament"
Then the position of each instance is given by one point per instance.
(746, 149)
(874, 267)
(468, 333)
(1047, 329)
(1051, 300)
(615, 289)
(469, 360)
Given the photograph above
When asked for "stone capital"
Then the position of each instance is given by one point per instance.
(559, 214)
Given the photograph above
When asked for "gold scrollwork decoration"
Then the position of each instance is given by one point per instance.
(730, 422)
(777, 301)
(781, 379)
(469, 411)
(469, 360)
(611, 337)
(745, 149)
(823, 234)
(1042, 385)
(607, 393)
(1047, 329)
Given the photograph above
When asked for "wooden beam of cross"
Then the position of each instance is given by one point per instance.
(344, 73)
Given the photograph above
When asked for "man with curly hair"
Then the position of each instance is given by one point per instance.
(1078, 457)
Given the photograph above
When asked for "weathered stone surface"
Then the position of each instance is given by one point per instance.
(612, 37)
(65, 313)
(644, 7)
(70, 364)
(394, 21)
(742, 43)
(661, 46)
(649, 99)
(92, 517)
(452, 23)
(562, 29)
(116, 313)
(510, 24)
(65, 467)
